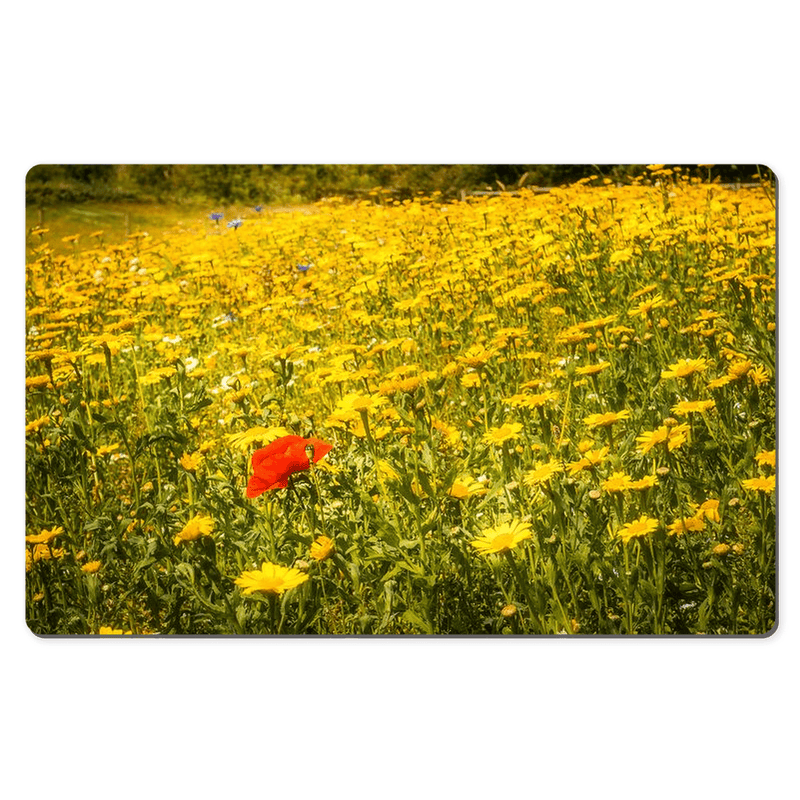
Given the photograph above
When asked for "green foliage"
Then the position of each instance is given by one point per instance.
(302, 183)
(448, 352)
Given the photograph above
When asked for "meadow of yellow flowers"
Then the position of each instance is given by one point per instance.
(530, 413)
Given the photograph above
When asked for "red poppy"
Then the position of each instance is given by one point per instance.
(274, 463)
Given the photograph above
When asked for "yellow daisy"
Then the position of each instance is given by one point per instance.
(45, 536)
(760, 484)
(674, 437)
(466, 486)
(502, 434)
(691, 406)
(502, 538)
(191, 461)
(591, 458)
(639, 527)
(197, 526)
(680, 526)
(617, 482)
(685, 367)
(766, 458)
(321, 548)
(270, 579)
(604, 420)
(592, 369)
(542, 473)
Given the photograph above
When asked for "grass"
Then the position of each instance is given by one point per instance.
(547, 414)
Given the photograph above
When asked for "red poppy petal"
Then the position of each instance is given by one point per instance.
(256, 486)
(281, 445)
(320, 448)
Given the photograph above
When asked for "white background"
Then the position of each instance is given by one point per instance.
(350, 82)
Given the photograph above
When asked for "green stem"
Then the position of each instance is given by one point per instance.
(658, 568)
(628, 591)
(273, 599)
(525, 588)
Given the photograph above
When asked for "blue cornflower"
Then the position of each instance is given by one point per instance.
(259, 208)
(235, 223)
(304, 267)
(216, 216)
(224, 319)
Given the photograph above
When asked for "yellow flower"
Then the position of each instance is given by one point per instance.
(532, 400)
(542, 473)
(270, 579)
(36, 424)
(755, 484)
(471, 380)
(45, 536)
(689, 407)
(639, 527)
(710, 510)
(450, 434)
(718, 383)
(720, 549)
(156, 375)
(257, 435)
(766, 458)
(674, 437)
(105, 630)
(37, 381)
(502, 538)
(592, 369)
(644, 483)
(759, 375)
(646, 306)
(680, 526)
(466, 486)
(571, 336)
(360, 403)
(475, 356)
(617, 482)
(41, 552)
(591, 458)
(604, 420)
(91, 566)
(739, 368)
(386, 472)
(685, 367)
(502, 434)
(600, 322)
(394, 385)
(197, 526)
(113, 344)
(321, 548)
(191, 462)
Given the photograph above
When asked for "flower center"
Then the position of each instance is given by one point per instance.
(503, 541)
(271, 584)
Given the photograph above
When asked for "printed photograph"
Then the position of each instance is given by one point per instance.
(400, 400)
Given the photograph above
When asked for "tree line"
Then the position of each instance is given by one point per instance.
(298, 183)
